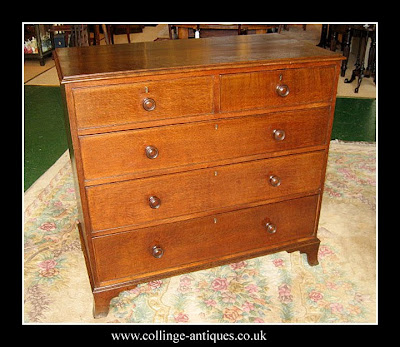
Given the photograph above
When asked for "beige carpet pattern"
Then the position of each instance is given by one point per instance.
(278, 288)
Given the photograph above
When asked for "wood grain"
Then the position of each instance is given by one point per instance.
(152, 58)
(123, 103)
(256, 90)
(214, 124)
(127, 203)
(123, 153)
(129, 254)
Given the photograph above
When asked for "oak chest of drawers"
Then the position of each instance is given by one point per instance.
(190, 154)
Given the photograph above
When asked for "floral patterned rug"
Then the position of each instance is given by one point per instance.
(278, 288)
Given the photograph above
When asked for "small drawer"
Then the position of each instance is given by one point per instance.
(197, 241)
(144, 101)
(270, 89)
(137, 202)
(156, 149)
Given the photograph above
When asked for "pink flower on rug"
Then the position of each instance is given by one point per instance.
(324, 250)
(285, 295)
(278, 262)
(237, 266)
(48, 268)
(331, 285)
(336, 307)
(185, 281)
(361, 298)
(258, 320)
(219, 284)
(48, 226)
(181, 318)
(155, 284)
(210, 302)
(48, 264)
(58, 204)
(252, 288)
(247, 306)
(315, 296)
(185, 284)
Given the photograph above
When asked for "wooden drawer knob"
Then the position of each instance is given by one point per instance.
(154, 202)
(279, 135)
(157, 251)
(151, 152)
(149, 104)
(271, 227)
(275, 181)
(282, 90)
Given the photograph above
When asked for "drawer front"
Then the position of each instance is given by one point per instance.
(138, 151)
(254, 90)
(140, 102)
(128, 203)
(130, 254)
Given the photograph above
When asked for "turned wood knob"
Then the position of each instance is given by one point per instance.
(282, 90)
(157, 251)
(149, 104)
(275, 181)
(151, 152)
(279, 134)
(154, 202)
(271, 227)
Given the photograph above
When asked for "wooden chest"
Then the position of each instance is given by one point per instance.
(189, 154)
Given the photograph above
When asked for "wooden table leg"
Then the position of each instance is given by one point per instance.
(359, 65)
(346, 50)
(102, 299)
(362, 68)
(96, 39)
(311, 250)
(312, 254)
(128, 33)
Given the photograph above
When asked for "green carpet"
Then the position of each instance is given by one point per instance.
(44, 131)
(355, 120)
(45, 136)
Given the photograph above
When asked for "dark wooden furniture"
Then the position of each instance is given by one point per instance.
(185, 31)
(364, 32)
(188, 154)
(330, 38)
(113, 29)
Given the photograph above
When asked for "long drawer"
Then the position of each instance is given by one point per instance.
(138, 151)
(140, 201)
(277, 88)
(143, 101)
(173, 245)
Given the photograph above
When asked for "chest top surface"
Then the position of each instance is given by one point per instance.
(98, 62)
